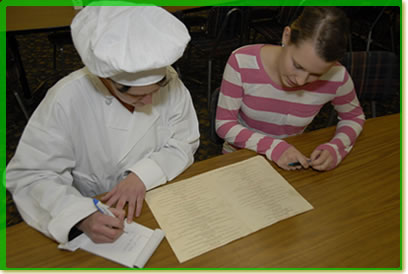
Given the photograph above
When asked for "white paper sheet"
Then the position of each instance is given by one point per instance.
(214, 208)
(132, 249)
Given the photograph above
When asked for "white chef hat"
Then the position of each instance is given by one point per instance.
(132, 45)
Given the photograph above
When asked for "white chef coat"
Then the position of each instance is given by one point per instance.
(81, 141)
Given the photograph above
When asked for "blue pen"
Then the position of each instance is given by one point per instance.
(294, 164)
(298, 163)
(104, 209)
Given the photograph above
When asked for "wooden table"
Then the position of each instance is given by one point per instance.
(355, 222)
(20, 18)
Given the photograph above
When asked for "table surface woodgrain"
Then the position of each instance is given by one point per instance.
(355, 222)
(22, 18)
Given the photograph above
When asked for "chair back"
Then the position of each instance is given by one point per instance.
(373, 27)
(272, 28)
(212, 115)
(225, 20)
(375, 74)
(13, 76)
(287, 14)
(226, 25)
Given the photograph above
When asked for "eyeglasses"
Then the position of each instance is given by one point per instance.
(124, 88)
(164, 82)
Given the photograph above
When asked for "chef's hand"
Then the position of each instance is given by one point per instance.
(292, 155)
(103, 228)
(132, 191)
(321, 159)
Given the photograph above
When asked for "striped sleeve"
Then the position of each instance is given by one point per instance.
(227, 124)
(351, 120)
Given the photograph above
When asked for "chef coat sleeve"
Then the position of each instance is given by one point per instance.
(39, 175)
(181, 134)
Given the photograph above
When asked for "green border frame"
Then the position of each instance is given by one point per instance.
(5, 3)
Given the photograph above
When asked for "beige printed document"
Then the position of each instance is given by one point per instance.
(209, 210)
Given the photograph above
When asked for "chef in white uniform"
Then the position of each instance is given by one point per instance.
(121, 125)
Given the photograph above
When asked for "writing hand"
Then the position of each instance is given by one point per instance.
(292, 155)
(132, 191)
(321, 160)
(102, 228)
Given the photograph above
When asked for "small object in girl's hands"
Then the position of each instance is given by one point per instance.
(294, 164)
(298, 163)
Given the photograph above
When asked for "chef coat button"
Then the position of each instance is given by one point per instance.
(108, 101)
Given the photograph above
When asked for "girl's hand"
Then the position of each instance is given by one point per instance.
(292, 155)
(321, 160)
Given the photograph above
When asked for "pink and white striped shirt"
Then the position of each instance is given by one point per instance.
(255, 113)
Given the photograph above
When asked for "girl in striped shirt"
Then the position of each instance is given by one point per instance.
(271, 92)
